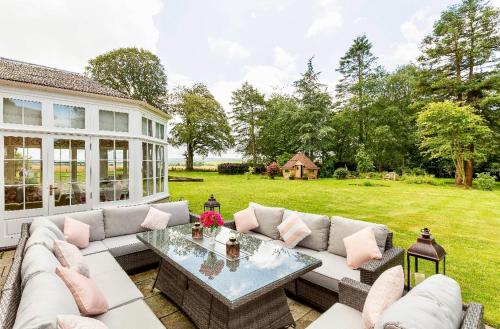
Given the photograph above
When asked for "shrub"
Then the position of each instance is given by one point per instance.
(415, 171)
(422, 179)
(250, 172)
(328, 168)
(341, 173)
(273, 170)
(364, 161)
(232, 168)
(485, 181)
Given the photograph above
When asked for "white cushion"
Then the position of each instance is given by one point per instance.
(269, 218)
(37, 259)
(69, 256)
(93, 248)
(156, 219)
(45, 222)
(101, 262)
(259, 236)
(117, 288)
(339, 316)
(43, 236)
(124, 245)
(68, 321)
(124, 220)
(131, 316)
(245, 220)
(94, 218)
(293, 230)
(178, 209)
(319, 226)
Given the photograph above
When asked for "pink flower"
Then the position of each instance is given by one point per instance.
(211, 219)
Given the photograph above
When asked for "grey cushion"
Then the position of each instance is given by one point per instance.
(43, 236)
(131, 316)
(101, 262)
(45, 222)
(269, 218)
(44, 297)
(259, 236)
(94, 218)
(319, 226)
(124, 245)
(333, 269)
(343, 227)
(116, 287)
(178, 209)
(36, 260)
(436, 303)
(124, 220)
(94, 247)
(339, 316)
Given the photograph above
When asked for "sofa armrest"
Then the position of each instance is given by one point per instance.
(193, 217)
(372, 269)
(231, 225)
(473, 316)
(353, 293)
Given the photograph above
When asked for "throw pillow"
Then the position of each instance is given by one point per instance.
(45, 222)
(293, 230)
(76, 232)
(88, 297)
(361, 247)
(69, 256)
(245, 220)
(69, 321)
(387, 289)
(156, 219)
(268, 218)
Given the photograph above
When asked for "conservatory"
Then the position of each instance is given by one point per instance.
(70, 144)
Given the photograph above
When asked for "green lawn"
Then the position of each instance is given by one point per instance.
(465, 222)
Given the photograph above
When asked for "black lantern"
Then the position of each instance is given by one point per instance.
(212, 204)
(425, 248)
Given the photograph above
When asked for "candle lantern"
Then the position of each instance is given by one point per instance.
(197, 231)
(233, 247)
(425, 248)
(212, 204)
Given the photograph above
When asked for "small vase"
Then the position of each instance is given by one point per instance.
(213, 234)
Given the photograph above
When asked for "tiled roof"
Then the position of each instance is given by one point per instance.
(304, 160)
(50, 77)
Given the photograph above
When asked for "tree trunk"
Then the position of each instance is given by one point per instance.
(469, 168)
(458, 179)
(189, 157)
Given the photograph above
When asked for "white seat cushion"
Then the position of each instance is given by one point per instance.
(94, 247)
(117, 288)
(339, 316)
(131, 316)
(259, 236)
(101, 262)
(329, 274)
(124, 245)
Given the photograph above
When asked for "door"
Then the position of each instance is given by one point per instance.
(69, 174)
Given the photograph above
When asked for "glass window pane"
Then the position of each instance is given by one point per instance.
(13, 172)
(78, 193)
(106, 191)
(150, 128)
(77, 117)
(13, 148)
(121, 150)
(106, 120)
(12, 110)
(14, 197)
(33, 148)
(121, 122)
(106, 149)
(32, 113)
(62, 116)
(33, 195)
(144, 126)
(160, 131)
(33, 172)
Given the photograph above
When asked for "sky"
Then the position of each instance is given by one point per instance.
(220, 43)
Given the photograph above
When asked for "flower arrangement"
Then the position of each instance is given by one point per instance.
(211, 219)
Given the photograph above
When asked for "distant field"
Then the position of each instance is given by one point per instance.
(465, 222)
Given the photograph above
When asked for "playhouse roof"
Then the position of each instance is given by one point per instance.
(303, 159)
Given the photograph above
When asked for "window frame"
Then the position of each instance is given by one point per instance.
(23, 121)
(114, 121)
(70, 107)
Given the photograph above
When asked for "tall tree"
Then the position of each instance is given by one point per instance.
(315, 111)
(447, 129)
(135, 72)
(248, 105)
(201, 124)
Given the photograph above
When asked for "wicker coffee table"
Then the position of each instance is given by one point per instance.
(217, 292)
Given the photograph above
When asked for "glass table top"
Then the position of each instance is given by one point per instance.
(266, 264)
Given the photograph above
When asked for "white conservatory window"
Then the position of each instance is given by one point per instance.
(113, 170)
(113, 121)
(67, 116)
(147, 127)
(160, 131)
(147, 169)
(22, 112)
(160, 168)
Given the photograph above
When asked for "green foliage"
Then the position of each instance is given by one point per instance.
(273, 170)
(135, 72)
(485, 181)
(327, 168)
(283, 158)
(447, 130)
(250, 172)
(341, 173)
(364, 161)
(202, 126)
(421, 179)
(233, 168)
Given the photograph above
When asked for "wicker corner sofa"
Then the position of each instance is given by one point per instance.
(319, 288)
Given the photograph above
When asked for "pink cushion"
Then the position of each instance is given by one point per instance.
(70, 321)
(361, 247)
(156, 219)
(69, 256)
(76, 232)
(293, 230)
(245, 220)
(386, 290)
(88, 297)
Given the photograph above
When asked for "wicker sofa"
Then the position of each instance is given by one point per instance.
(320, 287)
(113, 250)
(346, 314)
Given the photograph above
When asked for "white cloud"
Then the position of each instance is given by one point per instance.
(284, 59)
(66, 34)
(359, 20)
(228, 48)
(176, 79)
(328, 19)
